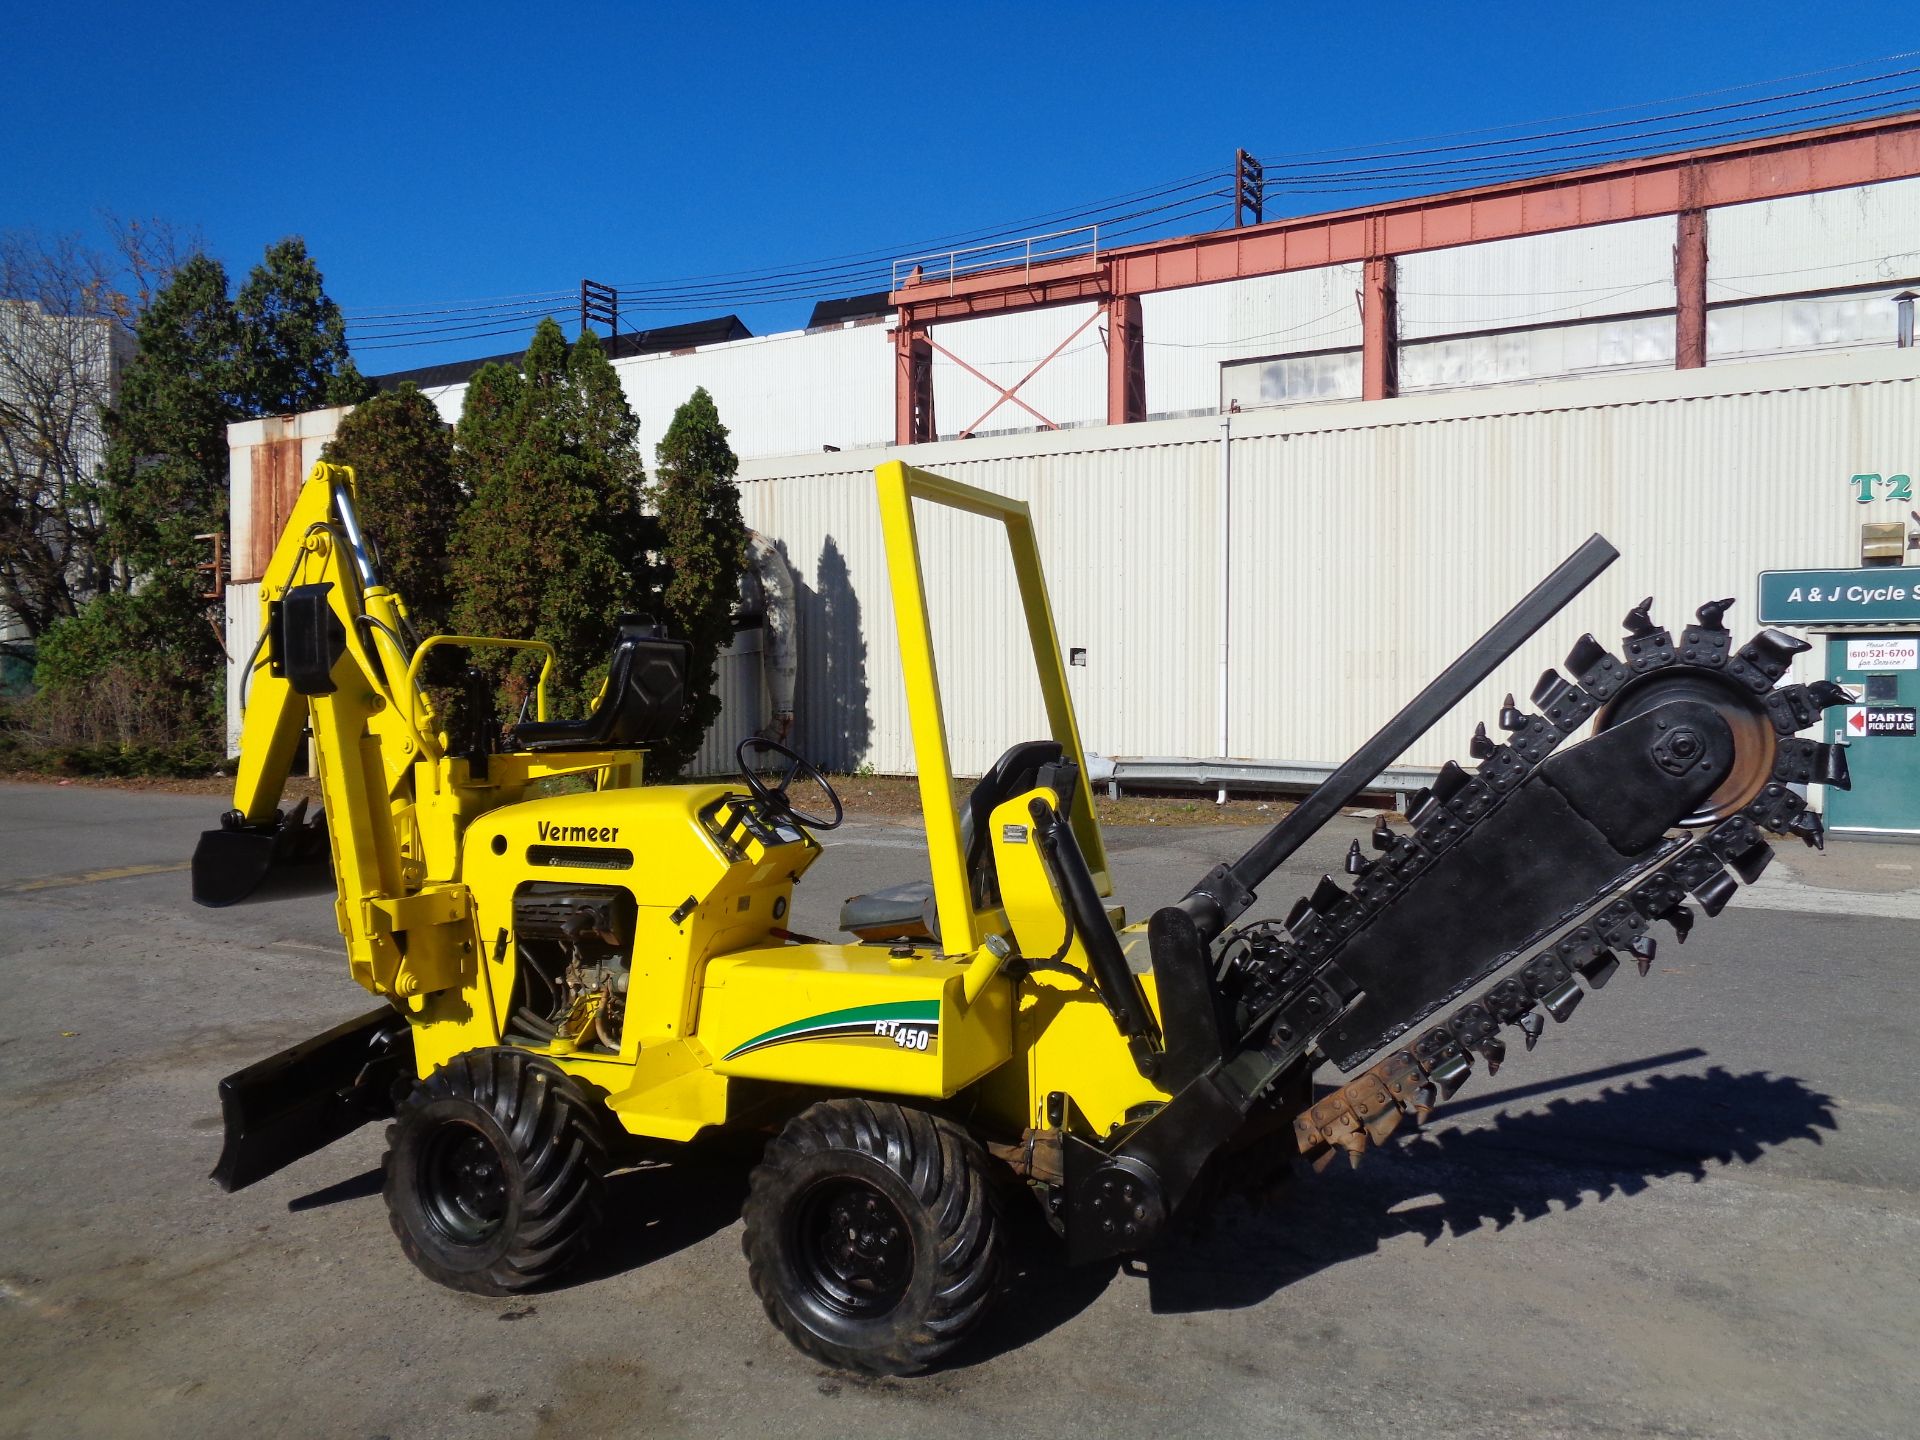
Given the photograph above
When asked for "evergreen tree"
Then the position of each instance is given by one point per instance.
(552, 543)
(703, 546)
(409, 500)
(201, 361)
(293, 353)
(166, 468)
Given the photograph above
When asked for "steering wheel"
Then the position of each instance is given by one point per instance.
(775, 797)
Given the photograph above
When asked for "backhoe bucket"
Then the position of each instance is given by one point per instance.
(230, 863)
(287, 1106)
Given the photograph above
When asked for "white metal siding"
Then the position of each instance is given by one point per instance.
(1537, 279)
(781, 394)
(738, 682)
(777, 394)
(1370, 545)
(1070, 389)
(243, 633)
(1191, 333)
(1639, 342)
(1868, 235)
(1757, 329)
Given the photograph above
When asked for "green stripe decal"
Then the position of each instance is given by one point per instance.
(842, 1024)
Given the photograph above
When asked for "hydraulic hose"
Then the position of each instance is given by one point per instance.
(1111, 975)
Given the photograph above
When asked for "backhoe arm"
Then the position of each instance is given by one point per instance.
(333, 661)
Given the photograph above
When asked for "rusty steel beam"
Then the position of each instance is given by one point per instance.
(913, 420)
(1828, 159)
(1690, 290)
(1126, 362)
(1379, 331)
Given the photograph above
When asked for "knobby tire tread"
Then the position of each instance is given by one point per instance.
(944, 1172)
(556, 1154)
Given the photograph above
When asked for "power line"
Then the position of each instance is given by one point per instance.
(1517, 154)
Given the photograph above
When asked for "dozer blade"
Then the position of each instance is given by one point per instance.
(287, 1106)
(231, 863)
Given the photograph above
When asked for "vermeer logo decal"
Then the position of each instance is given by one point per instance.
(586, 834)
(901, 1025)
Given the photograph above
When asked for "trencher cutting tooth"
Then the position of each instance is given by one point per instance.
(1712, 613)
(1600, 969)
(1531, 1026)
(1639, 619)
(1449, 782)
(1511, 717)
(1644, 948)
(1481, 745)
(1357, 864)
(1826, 694)
(1586, 653)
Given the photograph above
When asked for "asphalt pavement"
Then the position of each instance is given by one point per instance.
(1692, 1211)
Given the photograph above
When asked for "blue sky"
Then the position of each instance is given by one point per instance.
(434, 155)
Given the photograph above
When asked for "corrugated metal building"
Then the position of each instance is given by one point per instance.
(1799, 275)
(1366, 546)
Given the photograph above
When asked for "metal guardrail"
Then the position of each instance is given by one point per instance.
(1122, 773)
(950, 265)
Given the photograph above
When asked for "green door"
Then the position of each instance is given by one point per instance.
(1883, 753)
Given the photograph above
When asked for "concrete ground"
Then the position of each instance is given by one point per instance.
(1693, 1211)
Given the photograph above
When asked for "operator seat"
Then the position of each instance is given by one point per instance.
(645, 695)
(908, 912)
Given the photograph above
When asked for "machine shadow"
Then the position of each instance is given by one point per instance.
(1517, 1169)
(655, 1210)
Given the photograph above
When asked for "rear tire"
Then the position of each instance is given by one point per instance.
(493, 1173)
(874, 1236)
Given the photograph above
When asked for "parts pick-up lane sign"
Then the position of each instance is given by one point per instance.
(1865, 721)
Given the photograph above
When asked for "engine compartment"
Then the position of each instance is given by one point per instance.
(573, 947)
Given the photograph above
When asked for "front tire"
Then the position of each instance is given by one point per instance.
(493, 1173)
(873, 1235)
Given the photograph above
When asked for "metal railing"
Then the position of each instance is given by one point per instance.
(1082, 241)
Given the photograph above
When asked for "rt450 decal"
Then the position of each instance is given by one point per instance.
(900, 1025)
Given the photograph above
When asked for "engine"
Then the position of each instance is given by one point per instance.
(574, 945)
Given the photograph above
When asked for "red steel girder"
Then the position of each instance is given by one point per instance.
(1834, 158)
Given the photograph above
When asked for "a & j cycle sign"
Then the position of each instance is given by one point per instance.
(1874, 596)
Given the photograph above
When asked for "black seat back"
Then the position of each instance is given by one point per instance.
(645, 695)
(1013, 773)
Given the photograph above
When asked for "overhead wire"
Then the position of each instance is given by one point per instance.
(1512, 153)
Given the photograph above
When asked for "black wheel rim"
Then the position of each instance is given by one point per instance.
(852, 1248)
(463, 1184)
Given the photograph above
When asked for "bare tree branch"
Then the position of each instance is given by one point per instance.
(64, 311)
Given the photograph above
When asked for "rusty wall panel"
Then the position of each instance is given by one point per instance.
(277, 473)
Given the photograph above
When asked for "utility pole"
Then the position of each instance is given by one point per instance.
(1249, 189)
(602, 303)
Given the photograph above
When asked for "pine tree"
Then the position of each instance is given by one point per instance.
(293, 354)
(201, 362)
(552, 544)
(703, 546)
(409, 500)
(166, 468)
